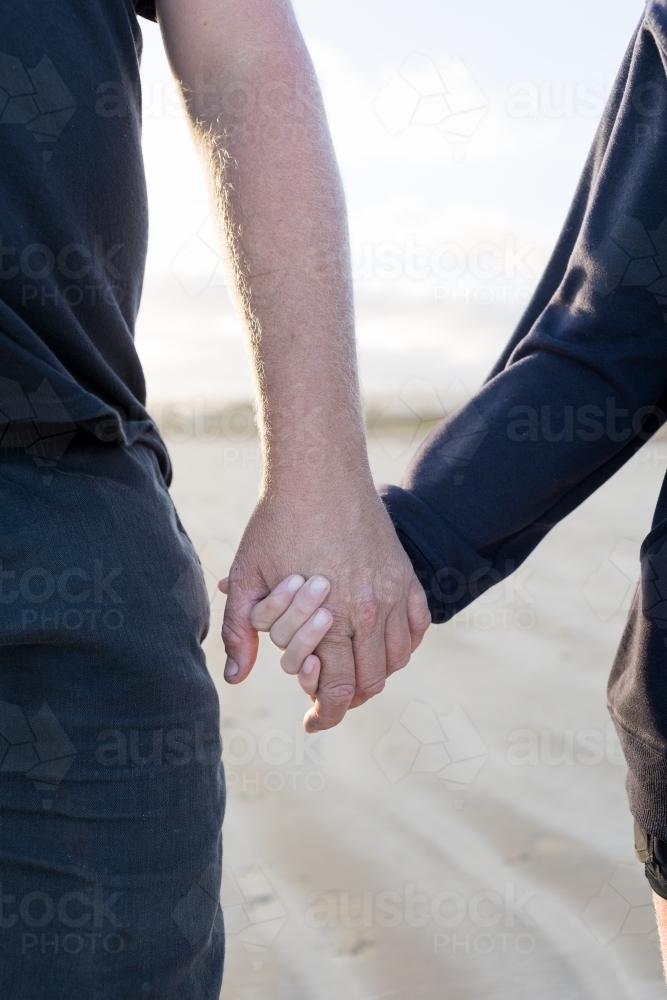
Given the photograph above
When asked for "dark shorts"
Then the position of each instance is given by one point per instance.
(652, 852)
(111, 784)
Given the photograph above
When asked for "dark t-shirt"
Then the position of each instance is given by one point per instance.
(73, 225)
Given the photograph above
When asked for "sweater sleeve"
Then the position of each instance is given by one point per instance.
(581, 385)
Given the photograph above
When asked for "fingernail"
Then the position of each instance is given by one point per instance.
(320, 618)
(293, 584)
(318, 585)
(231, 668)
(308, 666)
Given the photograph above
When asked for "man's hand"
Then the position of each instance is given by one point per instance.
(379, 608)
(256, 110)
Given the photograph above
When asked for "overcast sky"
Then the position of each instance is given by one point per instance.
(461, 130)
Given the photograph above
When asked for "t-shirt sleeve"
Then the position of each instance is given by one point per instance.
(582, 383)
(146, 8)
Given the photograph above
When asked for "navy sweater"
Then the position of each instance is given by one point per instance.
(580, 387)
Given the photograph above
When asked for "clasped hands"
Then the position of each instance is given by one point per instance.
(334, 588)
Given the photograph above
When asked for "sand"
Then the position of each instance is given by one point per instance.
(465, 834)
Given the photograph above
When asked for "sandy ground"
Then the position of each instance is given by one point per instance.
(466, 834)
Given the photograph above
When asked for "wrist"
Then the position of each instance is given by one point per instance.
(307, 483)
(317, 465)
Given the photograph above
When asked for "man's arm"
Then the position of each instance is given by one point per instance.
(256, 109)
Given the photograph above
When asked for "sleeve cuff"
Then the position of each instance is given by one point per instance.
(451, 572)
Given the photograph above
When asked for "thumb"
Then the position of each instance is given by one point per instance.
(241, 640)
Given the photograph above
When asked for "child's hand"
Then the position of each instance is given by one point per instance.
(292, 616)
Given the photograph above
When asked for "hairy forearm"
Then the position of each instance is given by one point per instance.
(256, 108)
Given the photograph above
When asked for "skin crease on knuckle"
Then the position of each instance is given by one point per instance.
(335, 695)
(338, 637)
(368, 614)
(367, 691)
(393, 668)
(398, 657)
